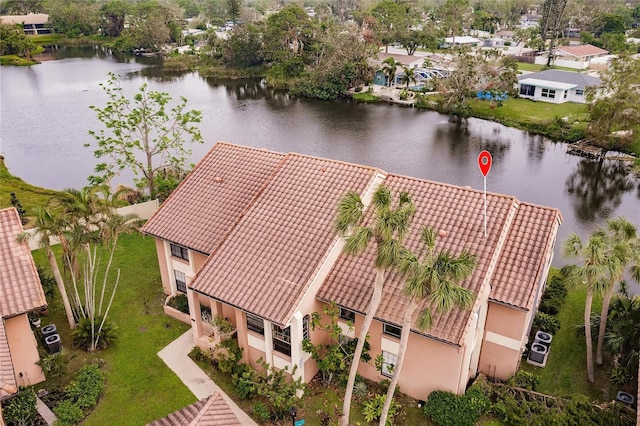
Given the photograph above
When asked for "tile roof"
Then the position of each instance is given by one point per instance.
(521, 264)
(456, 210)
(582, 50)
(568, 77)
(210, 411)
(266, 263)
(210, 200)
(20, 288)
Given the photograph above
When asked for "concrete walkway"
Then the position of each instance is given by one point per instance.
(45, 412)
(176, 356)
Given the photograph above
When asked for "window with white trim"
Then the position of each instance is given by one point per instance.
(181, 281)
(579, 92)
(388, 363)
(392, 330)
(179, 252)
(527, 90)
(548, 93)
(348, 315)
(281, 339)
(255, 324)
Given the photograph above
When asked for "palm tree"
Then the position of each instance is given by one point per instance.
(47, 225)
(435, 277)
(386, 228)
(389, 68)
(408, 77)
(623, 242)
(622, 339)
(593, 273)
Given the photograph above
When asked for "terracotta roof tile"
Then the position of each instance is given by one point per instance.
(210, 411)
(20, 288)
(7, 377)
(582, 50)
(211, 199)
(522, 264)
(268, 260)
(456, 210)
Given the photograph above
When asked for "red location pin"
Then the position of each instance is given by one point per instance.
(484, 162)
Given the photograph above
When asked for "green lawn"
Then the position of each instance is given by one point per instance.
(566, 371)
(524, 66)
(139, 386)
(28, 195)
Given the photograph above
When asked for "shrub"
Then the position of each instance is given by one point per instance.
(524, 379)
(180, 303)
(83, 337)
(372, 409)
(360, 389)
(261, 411)
(86, 387)
(546, 322)
(68, 413)
(21, 410)
(449, 409)
(53, 365)
(227, 355)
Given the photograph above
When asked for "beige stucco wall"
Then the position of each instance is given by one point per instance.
(24, 351)
(504, 340)
(162, 263)
(198, 260)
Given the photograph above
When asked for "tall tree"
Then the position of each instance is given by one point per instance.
(623, 239)
(392, 19)
(142, 135)
(113, 14)
(614, 106)
(433, 276)
(390, 68)
(455, 16)
(386, 229)
(593, 272)
(48, 225)
(552, 23)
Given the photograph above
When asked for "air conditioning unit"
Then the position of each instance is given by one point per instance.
(49, 330)
(538, 353)
(54, 344)
(543, 338)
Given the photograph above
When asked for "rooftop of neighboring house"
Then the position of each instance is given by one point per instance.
(20, 288)
(581, 51)
(210, 411)
(265, 263)
(577, 79)
(30, 19)
(405, 60)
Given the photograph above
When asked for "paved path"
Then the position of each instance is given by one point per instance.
(176, 356)
(45, 412)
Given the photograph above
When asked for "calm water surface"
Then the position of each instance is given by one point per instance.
(45, 119)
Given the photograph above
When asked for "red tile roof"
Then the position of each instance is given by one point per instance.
(210, 200)
(20, 288)
(455, 210)
(210, 411)
(582, 50)
(266, 263)
(524, 258)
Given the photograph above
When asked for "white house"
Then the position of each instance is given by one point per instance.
(555, 86)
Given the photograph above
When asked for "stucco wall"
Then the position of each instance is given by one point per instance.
(24, 351)
(198, 260)
(503, 342)
(162, 263)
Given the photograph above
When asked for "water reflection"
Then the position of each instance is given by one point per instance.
(596, 188)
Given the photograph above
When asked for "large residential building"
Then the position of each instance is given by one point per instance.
(32, 24)
(249, 236)
(20, 293)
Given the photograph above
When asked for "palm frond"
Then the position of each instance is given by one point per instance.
(350, 212)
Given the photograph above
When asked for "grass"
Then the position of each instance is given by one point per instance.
(566, 371)
(139, 388)
(28, 195)
(366, 97)
(525, 66)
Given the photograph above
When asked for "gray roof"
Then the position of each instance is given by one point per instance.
(569, 77)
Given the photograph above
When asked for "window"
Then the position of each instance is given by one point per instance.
(579, 92)
(255, 324)
(281, 339)
(205, 313)
(391, 330)
(347, 314)
(305, 327)
(548, 93)
(388, 363)
(527, 90)
(179, 252)
(181, 281)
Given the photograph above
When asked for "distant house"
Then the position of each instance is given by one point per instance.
(32, 24)
(555, 86)
(578, 57)
(459, 41)
(249, 236)
(20, 293)
(506, 35)
(382, 79)
(529, 20)
(493, 42)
